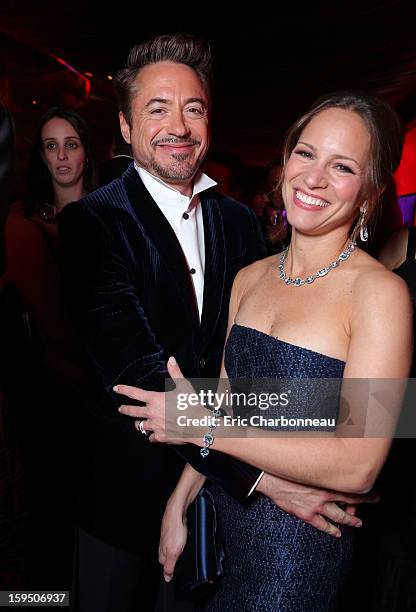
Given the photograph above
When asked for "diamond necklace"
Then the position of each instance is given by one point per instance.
(298, 282)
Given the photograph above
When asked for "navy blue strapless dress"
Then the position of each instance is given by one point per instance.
(274, 561)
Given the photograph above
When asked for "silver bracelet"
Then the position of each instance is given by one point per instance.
(208, 438)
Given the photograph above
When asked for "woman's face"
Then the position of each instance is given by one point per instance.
(325, 172)
(63, 152)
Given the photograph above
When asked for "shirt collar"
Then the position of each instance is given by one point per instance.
(158, 189)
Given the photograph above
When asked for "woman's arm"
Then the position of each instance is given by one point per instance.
(326, 463)
(173, 531)
(186, 490)
(380, 348)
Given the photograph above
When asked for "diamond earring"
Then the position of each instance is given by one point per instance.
(363, 226)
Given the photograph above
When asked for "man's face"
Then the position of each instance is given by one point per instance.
(169, 127)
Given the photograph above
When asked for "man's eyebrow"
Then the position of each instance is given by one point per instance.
(200, 100)
(166, 101)
(158, 101)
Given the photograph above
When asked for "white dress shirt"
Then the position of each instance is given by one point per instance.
(189, 230)
(184, 214)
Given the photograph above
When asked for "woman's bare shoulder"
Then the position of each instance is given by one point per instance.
(375, 285)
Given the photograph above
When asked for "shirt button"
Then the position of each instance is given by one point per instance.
(185, 215)
(202, 362)
(192, 271)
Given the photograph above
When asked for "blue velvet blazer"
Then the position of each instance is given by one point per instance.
(132, 295)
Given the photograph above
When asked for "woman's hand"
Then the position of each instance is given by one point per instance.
(173, 535)
(159, 417)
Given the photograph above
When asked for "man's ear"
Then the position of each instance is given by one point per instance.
(124, 127)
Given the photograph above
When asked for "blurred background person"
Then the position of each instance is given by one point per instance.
(62, 167)
(119, 160)
(11, 481)
(388, 545)
(277, 232)
(42, 358)
(227, 170)
(398, 254)
(253, 189)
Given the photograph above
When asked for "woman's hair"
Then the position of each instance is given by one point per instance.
(178, 48)
(386, 142)
(39, 185)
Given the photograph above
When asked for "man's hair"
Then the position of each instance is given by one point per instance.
(179, 48)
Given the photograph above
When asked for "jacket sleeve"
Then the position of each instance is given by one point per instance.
(101, 294)
(239, 479)
(117, 334)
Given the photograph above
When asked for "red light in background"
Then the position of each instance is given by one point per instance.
(406, 173)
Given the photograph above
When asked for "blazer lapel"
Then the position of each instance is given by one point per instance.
(158, 229)
(215, 266)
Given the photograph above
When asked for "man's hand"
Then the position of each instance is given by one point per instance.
(314, 505)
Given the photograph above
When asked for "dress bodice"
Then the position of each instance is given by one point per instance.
(291, 381)
(251, 353)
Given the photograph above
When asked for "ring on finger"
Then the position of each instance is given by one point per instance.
(141, 427)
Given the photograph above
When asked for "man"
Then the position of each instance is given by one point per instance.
(149, 261)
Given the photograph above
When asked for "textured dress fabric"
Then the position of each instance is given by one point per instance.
(275, 561)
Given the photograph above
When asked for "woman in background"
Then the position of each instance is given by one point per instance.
(43, 358)
(62, 168)
(385, 565)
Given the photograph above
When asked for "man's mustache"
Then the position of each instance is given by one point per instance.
(172, 140)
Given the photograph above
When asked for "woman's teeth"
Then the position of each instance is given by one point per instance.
(309, 200)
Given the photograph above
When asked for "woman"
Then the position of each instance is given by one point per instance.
(61, 170)
(62, 167)
(39, 344)
(322, 309)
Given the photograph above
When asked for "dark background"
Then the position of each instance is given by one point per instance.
(270, 62)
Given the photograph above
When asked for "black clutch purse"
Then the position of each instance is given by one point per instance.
(200, 567)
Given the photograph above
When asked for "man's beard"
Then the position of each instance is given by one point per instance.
(180, 169)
